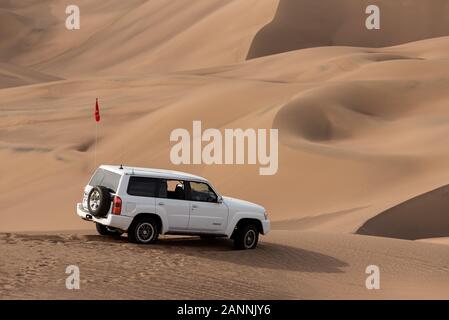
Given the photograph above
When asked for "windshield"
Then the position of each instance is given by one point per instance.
(105, 179)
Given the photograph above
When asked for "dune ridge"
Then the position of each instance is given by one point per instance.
(310, 23)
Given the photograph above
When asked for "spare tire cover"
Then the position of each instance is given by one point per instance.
(99, 201)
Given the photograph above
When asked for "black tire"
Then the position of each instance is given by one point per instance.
(105, 231)
(99, 201)
(144, 231)
(246, 237)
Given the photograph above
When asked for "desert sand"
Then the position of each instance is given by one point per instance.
(363, 157)
(286, 265)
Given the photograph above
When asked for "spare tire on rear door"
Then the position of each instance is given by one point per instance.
(99, 201)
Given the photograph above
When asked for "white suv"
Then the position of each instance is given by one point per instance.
(147, 202)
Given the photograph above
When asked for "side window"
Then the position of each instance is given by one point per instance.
(142, 187)
(202, 192)
(172, 189)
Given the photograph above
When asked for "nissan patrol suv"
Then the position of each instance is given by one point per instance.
(147, 202)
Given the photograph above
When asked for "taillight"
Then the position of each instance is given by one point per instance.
(117, 206)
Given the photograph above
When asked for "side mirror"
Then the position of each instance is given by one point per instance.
(220, 199)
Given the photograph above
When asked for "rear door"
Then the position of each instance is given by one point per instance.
(172, 204)
(206, 213)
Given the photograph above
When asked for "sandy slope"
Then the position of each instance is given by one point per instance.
(362, 143)
(137, 35)
(287, 265)
(318, 23)
(354, 124)
(13, 76)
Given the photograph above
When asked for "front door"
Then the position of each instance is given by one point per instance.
(206, 213)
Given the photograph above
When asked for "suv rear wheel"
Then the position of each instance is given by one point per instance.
(105, 231)
(246, 237)
(144, 231)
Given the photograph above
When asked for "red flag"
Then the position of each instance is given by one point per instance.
(97, 111)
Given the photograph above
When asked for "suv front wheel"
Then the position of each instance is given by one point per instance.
(246, 237)
(144, 231)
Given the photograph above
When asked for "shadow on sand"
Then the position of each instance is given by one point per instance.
(267, 255)
(425, 216)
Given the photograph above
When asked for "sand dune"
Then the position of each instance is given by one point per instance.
(362, 131)
(422, 217)
(351, 130)
(12, 26)
(14, 76)
(310, 23)
(148, 36)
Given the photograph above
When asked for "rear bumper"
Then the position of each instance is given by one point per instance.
(266, 226)
(119, 222)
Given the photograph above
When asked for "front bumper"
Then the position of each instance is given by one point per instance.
(266, 226)
(119, 222)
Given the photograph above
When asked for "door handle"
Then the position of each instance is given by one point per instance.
(161, 203)
(194, 206)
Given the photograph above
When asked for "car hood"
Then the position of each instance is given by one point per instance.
(238, 204)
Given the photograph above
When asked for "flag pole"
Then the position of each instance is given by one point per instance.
(96, 141)
(97, 119)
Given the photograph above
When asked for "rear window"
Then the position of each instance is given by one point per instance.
(143, 187)
(105, 179)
